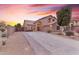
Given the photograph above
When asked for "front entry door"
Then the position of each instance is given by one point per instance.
(38, 28)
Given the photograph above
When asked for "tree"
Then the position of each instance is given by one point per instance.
(64, 17)
(18, 27)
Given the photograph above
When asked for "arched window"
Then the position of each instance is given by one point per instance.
(49, 20)
(53, 20)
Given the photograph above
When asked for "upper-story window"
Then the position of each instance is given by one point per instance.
(53, 20)
(39, 23)
(49, 20)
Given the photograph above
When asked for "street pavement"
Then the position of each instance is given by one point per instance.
(44, 43)
(39, 43)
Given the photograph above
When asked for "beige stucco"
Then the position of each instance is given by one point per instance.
(28, 25)
(48, 23)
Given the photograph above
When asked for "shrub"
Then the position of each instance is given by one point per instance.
(3, 35)
(2, 30)
(49, 31)
(60, 33)
(69, 33)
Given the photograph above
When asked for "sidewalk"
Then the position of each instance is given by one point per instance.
(16, 44)
(76, 37)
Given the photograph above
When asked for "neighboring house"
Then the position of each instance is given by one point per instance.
(48, 23)
(75, 24)
(28, 25)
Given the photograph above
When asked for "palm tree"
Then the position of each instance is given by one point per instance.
(64, 17)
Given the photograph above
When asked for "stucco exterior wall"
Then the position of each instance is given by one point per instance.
(47, 23)
(28, 25)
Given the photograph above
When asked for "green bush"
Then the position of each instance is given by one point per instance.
(3, 35)
(69, 33)
(2, 30)
(49, 31)
(60, 33)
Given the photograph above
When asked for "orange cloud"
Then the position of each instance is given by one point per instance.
(44, 13)
(43, 5)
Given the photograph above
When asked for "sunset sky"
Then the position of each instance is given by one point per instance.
(17, 13)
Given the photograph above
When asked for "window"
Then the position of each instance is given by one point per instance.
(53, 20)
(58, 27)
(49, 20)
